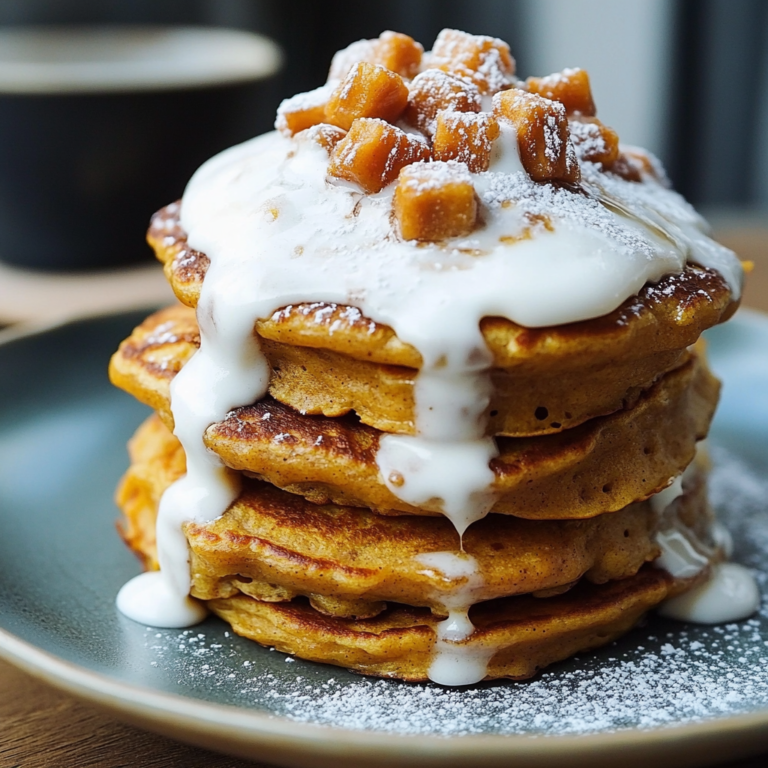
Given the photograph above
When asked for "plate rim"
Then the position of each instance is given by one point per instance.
(239, 731)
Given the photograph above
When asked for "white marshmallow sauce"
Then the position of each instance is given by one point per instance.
(278, 231)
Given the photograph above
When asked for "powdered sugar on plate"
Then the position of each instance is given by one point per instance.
(659, 675)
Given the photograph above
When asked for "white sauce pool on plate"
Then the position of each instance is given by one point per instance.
(730, 594)
(150, 598)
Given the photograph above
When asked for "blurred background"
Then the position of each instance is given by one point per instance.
(687, 79)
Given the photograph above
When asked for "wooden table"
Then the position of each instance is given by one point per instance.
(751, 243)
(43, 728)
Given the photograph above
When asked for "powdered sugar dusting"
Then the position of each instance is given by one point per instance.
(498, 190)
(658, 207)
(659, 675)
(165, 333)
(587, 139)
(553, 143)
(421, 177)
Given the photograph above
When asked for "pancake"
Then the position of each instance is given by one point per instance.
(321, 382)
(600, 466)
(521, 635)
(275, 546)
(328, 359)
(157, 349)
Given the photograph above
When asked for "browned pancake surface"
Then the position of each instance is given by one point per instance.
(597, 467)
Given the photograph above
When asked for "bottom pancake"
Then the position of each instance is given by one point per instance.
(514, 637)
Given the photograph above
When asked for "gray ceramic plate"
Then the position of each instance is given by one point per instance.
(669, 693)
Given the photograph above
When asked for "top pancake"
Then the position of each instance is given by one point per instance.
(545, 379)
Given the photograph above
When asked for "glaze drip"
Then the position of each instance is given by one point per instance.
(457, 660)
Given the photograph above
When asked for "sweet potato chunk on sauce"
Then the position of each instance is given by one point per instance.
(465, 136)
(570, 87)
(373, 153)
(543, 136)
(434, 90)
(434, 201)
(368, 90)
(486, 61)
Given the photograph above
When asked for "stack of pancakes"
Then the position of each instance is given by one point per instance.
(596, 424)
(318, 558)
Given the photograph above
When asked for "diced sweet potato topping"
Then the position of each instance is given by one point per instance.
(398, 53)
(346, 58)
(327, 136)
(543, 137)
(434, 201)
(627, 168)
(633, 164)
(486, 61)
(594, 142)
(373, 152)
(393, 50)
(465, 136)
(434, 90)
(302, 111)
(570, 87)
(644, 163)
(368, 90)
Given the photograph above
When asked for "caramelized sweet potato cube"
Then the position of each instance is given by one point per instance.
(374, 152)
(570, 87)
(593, 141)
(327, 136)
(486, 61)
(346, 58)
(635, 164)
(392, 50)
(398, 53)
(434, 90)
(627, 168)
(368, 90)
(543, 137)
(434, 201)
(646, 163)
(465, 136)
(302, 111)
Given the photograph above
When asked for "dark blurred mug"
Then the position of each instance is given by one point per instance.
(99, 127)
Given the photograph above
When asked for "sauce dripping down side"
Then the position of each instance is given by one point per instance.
(729, 594)
(456, 661)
